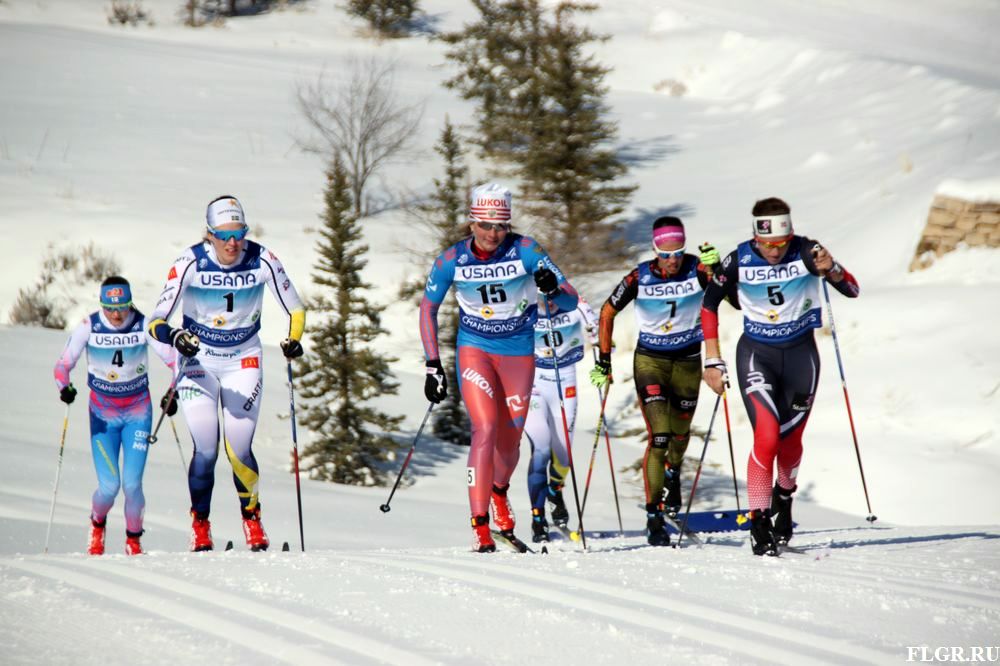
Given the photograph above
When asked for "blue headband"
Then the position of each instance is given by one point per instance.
(116, 296)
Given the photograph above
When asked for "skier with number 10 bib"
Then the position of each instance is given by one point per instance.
(776, 277)
(497, 275)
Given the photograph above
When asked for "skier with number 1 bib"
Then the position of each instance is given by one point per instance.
(667, 291)
(221, 283)
(121, 413)
(497, 275)
(561, 333)
(776, 277)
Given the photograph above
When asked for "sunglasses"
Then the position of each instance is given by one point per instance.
(777, 245)
(226, 235)
(669, 254)
(493, 226)
(116, 308)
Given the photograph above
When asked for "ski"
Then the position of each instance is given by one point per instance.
(688, 534)
(229, 545)
(785, 548)
(511, 542)
(566, 532)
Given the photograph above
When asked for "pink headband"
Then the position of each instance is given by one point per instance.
(668, 235)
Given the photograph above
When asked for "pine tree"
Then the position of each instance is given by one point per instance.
(389, 18)
(446, 214)
(570, 170)
(341, 374)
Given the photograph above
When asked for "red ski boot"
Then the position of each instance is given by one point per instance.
(132, 545)
(201, 534)
(503, 514)
(254, 531)
(97, 537)
(482, 540)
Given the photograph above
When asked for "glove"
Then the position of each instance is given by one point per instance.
(547, 281)
(436, 384)
(291, 348)
(708, 256)
(600, 376)
(718, 364)
(168, 403)
(67, 394)
(185, 342)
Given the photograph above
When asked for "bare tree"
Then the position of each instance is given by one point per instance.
(359, 121)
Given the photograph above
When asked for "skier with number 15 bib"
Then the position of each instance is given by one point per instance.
(497, 275)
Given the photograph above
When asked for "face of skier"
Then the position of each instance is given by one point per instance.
(228, 240)
(116, 316)
(489, 235)
(670, 256)
(773, 252)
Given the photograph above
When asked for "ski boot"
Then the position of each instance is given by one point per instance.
(762, 533)
(201, 533)
(781, 509)
(560, 515)
(672, 501)
(254, 531)
(482, 540)
(657, 534)
(503, 514)
(97, 537)
(539, 526)
(132, 545)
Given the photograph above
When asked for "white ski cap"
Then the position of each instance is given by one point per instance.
(772, 227)
(224, 210)
(490, 203)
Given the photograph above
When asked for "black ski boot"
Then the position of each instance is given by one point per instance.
(762, 533)
(560, 515)
(539, 526)
(656, 528)
(673, 501)
(781, 509)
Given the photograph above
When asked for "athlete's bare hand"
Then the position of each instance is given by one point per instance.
(715, 374)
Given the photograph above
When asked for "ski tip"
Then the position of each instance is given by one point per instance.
(574, 535)
(229, 545)
(741, 518)
(545, 550)
(284, 547)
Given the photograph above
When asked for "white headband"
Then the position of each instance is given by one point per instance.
(772, 226)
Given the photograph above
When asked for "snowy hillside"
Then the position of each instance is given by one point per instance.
(854, 112)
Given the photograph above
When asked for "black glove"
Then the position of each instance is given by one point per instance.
(436, 384)
(291, 348)
(67, 394)
(185, 342)
(168, 403)
(547, 281)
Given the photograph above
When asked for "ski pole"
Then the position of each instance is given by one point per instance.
(562, 408)
(871, 518)
(385, 507)
(740, 518)
(593, 452)
(697, 475)
(170, 394)
(55, 486)
(180, 451)
(295, 454)
(611, 463)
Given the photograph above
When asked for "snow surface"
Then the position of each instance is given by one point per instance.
(855, 112)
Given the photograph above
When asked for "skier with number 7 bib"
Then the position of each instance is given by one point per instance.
(221, 283)
(776, 276)
(667, 291)
(497, 275)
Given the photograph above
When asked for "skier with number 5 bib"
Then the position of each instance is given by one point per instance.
(121, 413)
(667, 291)
(497, 275)
(776, 277)
(221, 283)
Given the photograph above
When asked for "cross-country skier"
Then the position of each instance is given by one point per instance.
(115, 340)
(563, 333)
(221, 283)
(667, 291)
(776, 277)
(497, 275)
